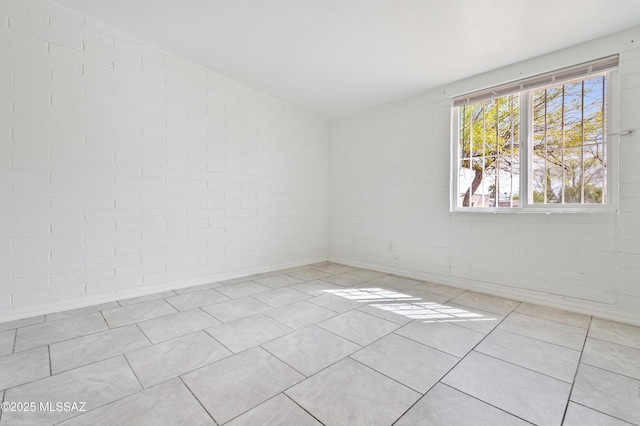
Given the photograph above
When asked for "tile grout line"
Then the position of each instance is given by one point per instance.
(614, 343)
(575, 375)
(399, 326)
(601, 412)
(15, 338)
(50, 361)
(285, 362)
(196, 398)
(142, 388)
(452, 367)
(143, 333)
(391, 378)
(487, 403)
(301, 407)
(539, 340)
(523, 367)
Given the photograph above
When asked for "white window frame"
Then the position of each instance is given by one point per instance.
(526, 143)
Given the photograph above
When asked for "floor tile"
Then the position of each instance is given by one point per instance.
(185, 302)
(344, 279)
(95, 347)
(316, 287)
(176, 325)
(21, 323)
(390, 311)
(359, 327)
(146, 298)
(367, 274)
(81, 311)
(543, 357)
(288, 271)
(417, 310)
(607, 392)
(425, 295)
(299, 315)
(445, 290)
(445, 406)
(239, 383)
(248, 332)
(494, 304)
(279, 281)
(138, 312)
(612, 357)
(236, 309)
(309, 274)
(237, 280)
(524, 393)
(578, 415)
(56, 331)
(449, 338)
(207, 286)
(7, 338)
(270, 274)
(172, 358)
(335, 302)
(384, 294)
(150, 407)
(281, 297)
(366, 293)
(95, 384)
(414, 365)
(566, 335)
(393, 281)
(308, 320)
(465, 316)
(24, 367)
(623, 334)
(334, 268)
(278, 411)
(350, 393)
(571, 318)
(311, 349)
(236, 291)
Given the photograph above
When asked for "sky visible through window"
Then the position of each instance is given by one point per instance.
(567, 152)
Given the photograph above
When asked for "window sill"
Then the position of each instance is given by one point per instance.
(608, 210)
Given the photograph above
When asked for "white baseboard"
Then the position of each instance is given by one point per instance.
(521, 295)
(13, 314)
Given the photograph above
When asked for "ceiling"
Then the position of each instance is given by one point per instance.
(335, 57)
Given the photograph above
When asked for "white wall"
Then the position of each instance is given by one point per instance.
(389, 172)
(125, 170)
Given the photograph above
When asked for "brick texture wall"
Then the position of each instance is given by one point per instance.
(389, 191)
(125, 170)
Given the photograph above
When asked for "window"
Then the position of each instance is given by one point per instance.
(535, 144)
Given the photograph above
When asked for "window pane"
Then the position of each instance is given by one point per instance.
(539, 170)
(489, 152)
(569, 143)
(554, 183)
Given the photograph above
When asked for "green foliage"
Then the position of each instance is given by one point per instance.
(569, 142)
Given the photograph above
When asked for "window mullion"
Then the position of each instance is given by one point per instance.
(484, 148)
(546, 149)
(605, 143)
(562, 147)
(526, 145)
(582, 172)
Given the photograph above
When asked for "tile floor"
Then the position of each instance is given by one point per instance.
(319, 344)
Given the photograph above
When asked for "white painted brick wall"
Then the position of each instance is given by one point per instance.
(389, 172)
(126, 170)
